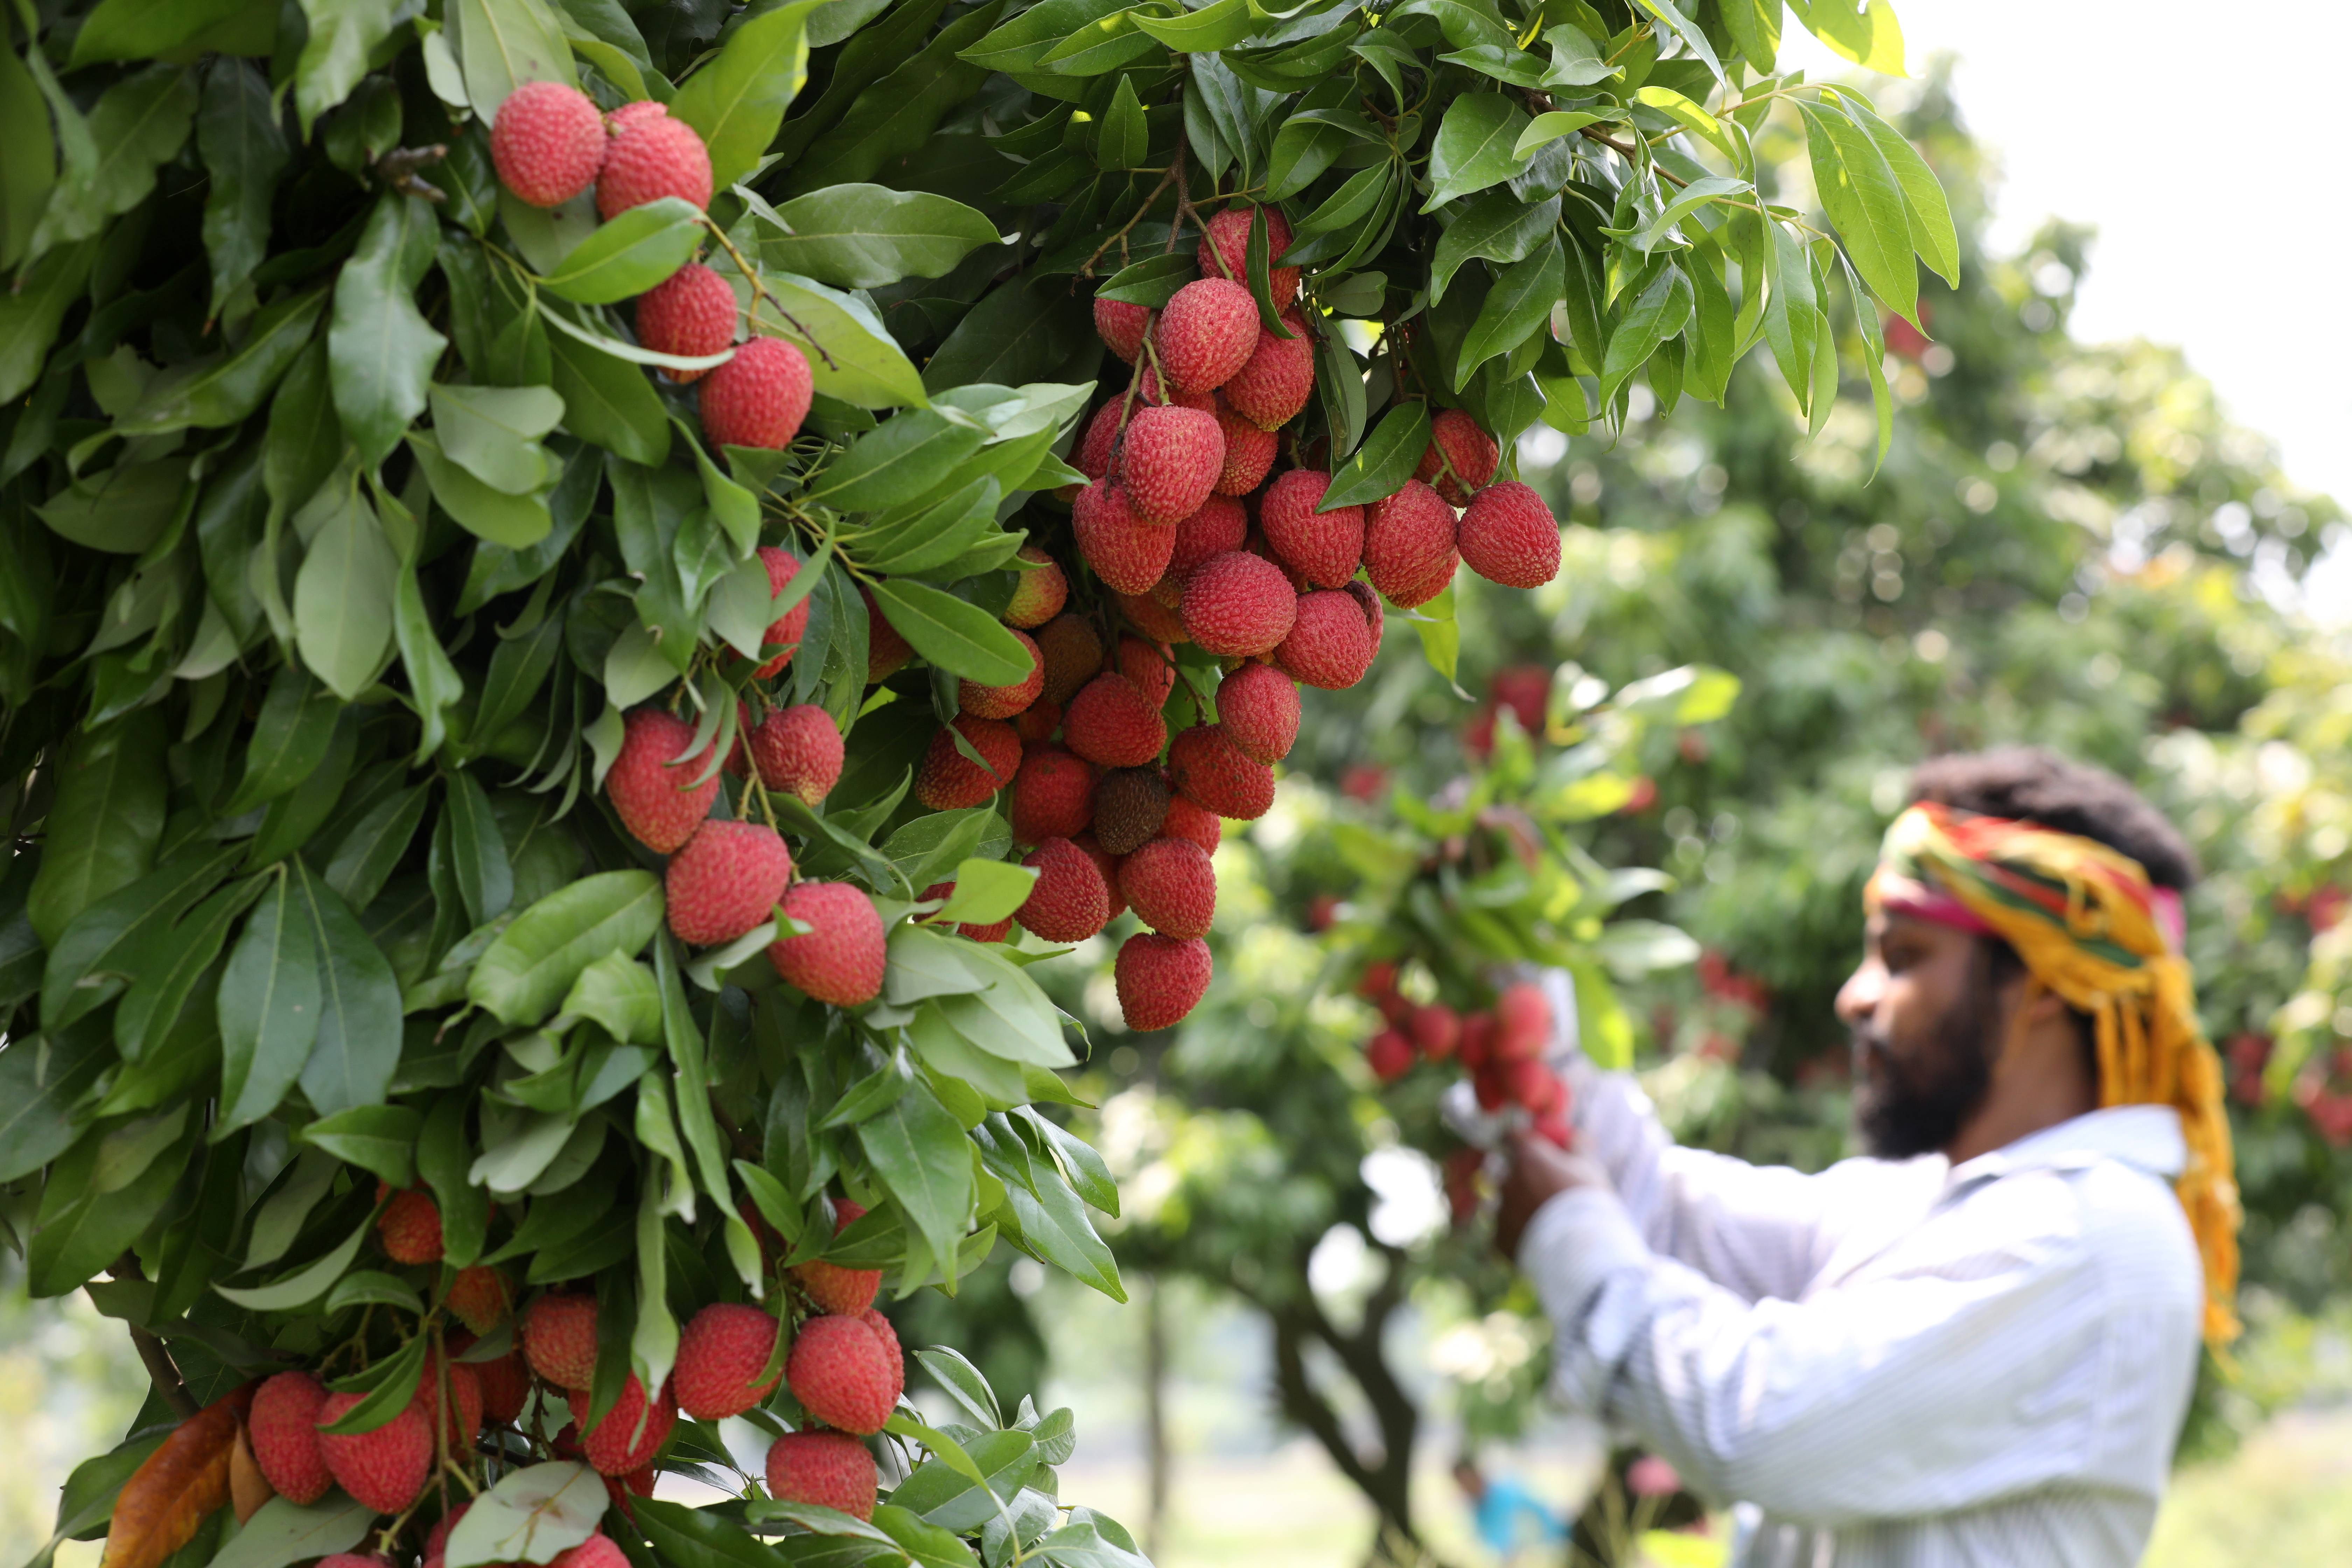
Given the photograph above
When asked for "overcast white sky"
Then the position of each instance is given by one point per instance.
(2203, 144)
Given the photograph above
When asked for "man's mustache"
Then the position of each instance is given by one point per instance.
(1869, 1042)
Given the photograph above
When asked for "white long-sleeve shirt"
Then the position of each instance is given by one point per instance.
(1891, 1363)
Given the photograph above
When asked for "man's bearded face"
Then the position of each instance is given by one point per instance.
(1922, 1009)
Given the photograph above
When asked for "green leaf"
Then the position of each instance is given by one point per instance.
(224, 389)
(607, 402)
(899, 461)
(140, 121)
(737, 102)
(1552, 126)
(957, 636)
(144, 29)
(629, 253)
(1869, 35)
(515, 521)
(1755, 27)
(1496, 226)
(1023, 329)
(1865, 204)
(112, 941)
(1519, 306)
(43, 1078)
(620, 995)
(343, 33)
(282, 1533)
(357, 1044)
(168, 981)
(1218, 26)
(28, 155)
(851, 354)
(478, 854)
(1682, 28)
(1022, 43)
(31, 313)
(1123, 140)
(381, 350)
(1932, 234)
(344, 597)
(110, 795)
(986, 891)
(864, 237)
(1660, 311)
(1477, 147)
(502, 44)
(1150, 282)
(922, 1159)
(493, 432)
(1688, 200)
(243, 152)
(269, 1007)
(122, 511)
(526, 971)
(1094, 49)
(1381, 465)
(379, 1138)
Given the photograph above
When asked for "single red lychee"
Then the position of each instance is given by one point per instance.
(1522, 1023)
(1167, 463)
(1127, 552)
(1257, 706)
(1238, 604)
(831, 1285)
(798, 750)
(1069, 902)
(1209, 769)
(384, 1470)
(652, 156)
(1185, 819)
(886, 652)
(559, 1338)
(841, 959)
(1171, 886)
(1409, 544)
(481, 1296)
(842, 1374)
(1436, 1029)
(1073, 656)
(1112, 724)
(827, 1469)
(689, 313)
(1160, 979)
(1389, 1054)
(758, 397)
(547, 143)
(1094, 454)
(1151, 664)
(1107, 865)
(1223, 250)
(1508, 536)
(1041, 720)
(1274, 387)
(1329, 645)
(1205, 334)
(1121, 327)
(1249, 452)
(1152, 619)
(1053, 794)
(723, 1357)
(1004, 701)
(1040, 592)
(631, 1432)
(950, 780)
(410, 1227)
(653, 783)
(283, 1427)
(1324, 547)
(1221, 524)
(1456, 443)
(725, 881)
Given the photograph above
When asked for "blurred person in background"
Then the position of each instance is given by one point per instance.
(1975, 1346)
(1509, 1518)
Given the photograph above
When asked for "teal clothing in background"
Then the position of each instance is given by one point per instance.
(1509, 1518)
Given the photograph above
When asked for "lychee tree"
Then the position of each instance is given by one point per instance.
(540, 675)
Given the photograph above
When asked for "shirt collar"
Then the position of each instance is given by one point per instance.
(2145, 1137)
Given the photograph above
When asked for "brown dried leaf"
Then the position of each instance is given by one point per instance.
(181, 1482)
(249, 1488)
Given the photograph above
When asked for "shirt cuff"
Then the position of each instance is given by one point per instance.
(1576, 1240)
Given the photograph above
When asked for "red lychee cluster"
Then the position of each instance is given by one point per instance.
(1501, 1047)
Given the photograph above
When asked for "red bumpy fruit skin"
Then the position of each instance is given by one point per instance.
(1238, 604)
(1206, 333)
(1152, 666)
(1074, 656)
(1040, 594)
(1150, 395)
(996, 931)
(1160, 979)
(1409, 544)
(1226, 241)
(558, 1339)
(1004, 701)
(1069, 901)
(1221, 524)
(506, 1385)
(841, 959)
(1389, 1054)
(1113, 724)
(798, 750)
(1369, 603)
(1053, 794)
(1278, 378)
(831, 1287)
(1436, 1029)
(1170, 460)
(481, 1296)
(1121, 327)
(1152, 619)
(829, 1470)
(886, 652)
(1257, 706)
(1129, 807)
(1470, 451)
(1107, 866)
(726, 881)
(1041, 720)
(689, 313)
(950, 780)
(1214, 773)
(384, 1470)
(1095, 447)
(1189, 819)
(465, 1401)
(410, 1228)
(787, 629)
(548, 143)
(658, 803)
(1324, 547)
(1508, 536)
(1171, 886)
(1127, 552)
(631, 1432)
(282, 1427)
(722, 1361)
(844, 1374)
(597, 1551)
(1329, 646)
(1522, 1023)
(652, 156)
(1249, 452)
(758, 397)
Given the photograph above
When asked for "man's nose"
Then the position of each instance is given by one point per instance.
(1857, 999)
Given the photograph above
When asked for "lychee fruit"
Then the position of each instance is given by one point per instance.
(886, 652)
(481, 1296)
(787, 629)
(725, 881)
(558, 1339)
(465, 1388)
(1225, 250)
(798, 750)
(598, 1550)
(1153, 619)
(629, 113)
(1038, 721)
(1369, 603)
(384, 1470)
(652, 156)
(1409, 544)
(1257, 706)
(841, 959)
(722, 1361)
(758, 397)
(995, 931)
(1073, 656)
(1221, 524)
(653, 782)
(1274, 385)
(1053, 794)
(1160, 979)
(1069, 901)
(1113, 724)
(1004, 701)
(950, 780)
(1238, 604)
(1436, 1029)
(1040, 592)
(1210, 770)
(410, 1227)
(1127, 552)
(1323, 546)
(1477, 1043)
(1389, 1054)
(1129, 807)
(1455, 442)
(1121, 327)
(437, 1539)
(1329, 646)
(1170, 461)
(842, 1374)
(1198, 823)
(1507, 536)
(1249, 451)
(892, 1356)
(1152, 666)
(1205, 334)
(689, 313)
(283, 1427)
(1094, 454)
(1170, 885)
(1522, 1023)
(831, 1287)
(827, 1469)
(631, 1433)
(548, 143)
(1107, 864)
(506, 1386)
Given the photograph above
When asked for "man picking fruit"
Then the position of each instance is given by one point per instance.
(1975, 1346)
